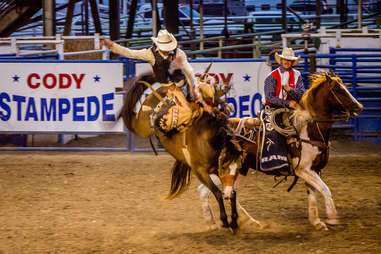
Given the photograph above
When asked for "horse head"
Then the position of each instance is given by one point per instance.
(327, 95)
(341, 98)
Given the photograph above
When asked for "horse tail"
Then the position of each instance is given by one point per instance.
(134, 91)
(181, 178)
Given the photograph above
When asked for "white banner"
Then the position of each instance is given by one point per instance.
(60, 97)
(246, 78)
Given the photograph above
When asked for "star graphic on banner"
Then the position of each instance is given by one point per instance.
(97, 78)
(15, 78)
(246, 78)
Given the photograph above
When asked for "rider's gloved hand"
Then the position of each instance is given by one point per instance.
(287, 88)
(292, 104)
(107, 42)
(229, 108)
(205, 106)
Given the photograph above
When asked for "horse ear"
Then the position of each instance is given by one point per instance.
(333, 73)
(328, 77)
(323, 71)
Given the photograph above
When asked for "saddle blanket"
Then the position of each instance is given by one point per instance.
(273, 150)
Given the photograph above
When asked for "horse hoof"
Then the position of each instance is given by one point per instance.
(320, 226)
(213, 227)
(225, 225)
(332, 222)
(263, 226)
(233, 227)
(233, 230)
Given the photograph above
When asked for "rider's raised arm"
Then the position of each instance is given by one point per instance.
(188, 70)
(142, 54)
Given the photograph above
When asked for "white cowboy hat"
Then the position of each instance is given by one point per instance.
(288, 54)
(165, 41)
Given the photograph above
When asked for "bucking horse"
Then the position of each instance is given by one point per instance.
(195, 143)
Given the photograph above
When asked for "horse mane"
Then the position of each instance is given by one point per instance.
(134, 91)
(304, 113)
(315, 81)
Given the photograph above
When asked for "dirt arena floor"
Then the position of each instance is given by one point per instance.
(112, 202)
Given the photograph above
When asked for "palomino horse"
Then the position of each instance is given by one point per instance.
(204, 138)
(313, 121)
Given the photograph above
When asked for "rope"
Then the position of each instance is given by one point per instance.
(287, 131)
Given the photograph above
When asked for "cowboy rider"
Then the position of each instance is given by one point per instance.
(283, 89)
(169, 63)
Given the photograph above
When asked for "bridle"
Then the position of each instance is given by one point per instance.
(347, 112)
(339, 117)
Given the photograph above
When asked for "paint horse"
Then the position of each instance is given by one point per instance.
(312, 120)
(196, 147)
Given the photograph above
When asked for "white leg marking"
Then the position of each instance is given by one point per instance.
(304, 171)
(313, 179)
(228, 190)
(206, 208)
(216, 180)
(313, 213)
(233, 168)
(204, 197)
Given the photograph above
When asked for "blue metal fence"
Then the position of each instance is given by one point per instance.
(13, 57)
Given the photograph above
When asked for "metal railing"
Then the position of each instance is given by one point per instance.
(52, 45)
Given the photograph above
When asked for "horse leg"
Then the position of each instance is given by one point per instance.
(234, 214)
(206, 207)
(313, 213)
(314, 181)
(207, 181)
(237, 184)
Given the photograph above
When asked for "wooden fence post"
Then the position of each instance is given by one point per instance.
(312, 65)
(220, 45)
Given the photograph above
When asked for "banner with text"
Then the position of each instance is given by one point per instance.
(60, 97)
(246, 78)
